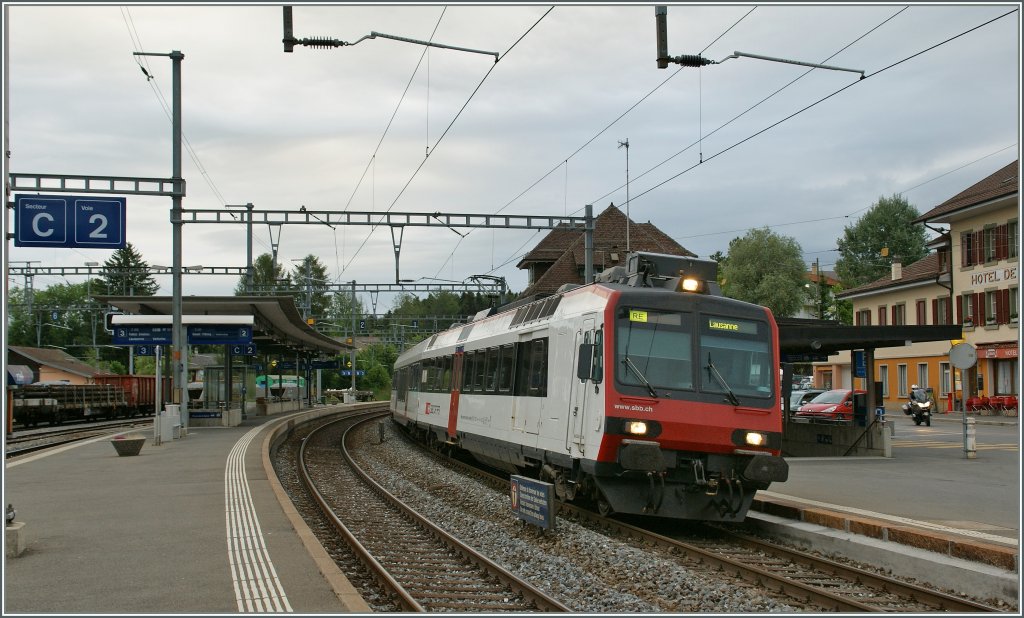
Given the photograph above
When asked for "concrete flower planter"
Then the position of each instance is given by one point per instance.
(128, 445)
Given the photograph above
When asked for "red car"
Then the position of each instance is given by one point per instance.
(835, 405)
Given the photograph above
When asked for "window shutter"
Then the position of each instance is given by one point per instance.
(978, 302)
(1003, 305)
(1001, 247)
(935, 311)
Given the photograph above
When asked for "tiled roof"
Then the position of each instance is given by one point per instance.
(925, 269)
(1002, 183)
(565, 249)
(58, 359)
(609, 236)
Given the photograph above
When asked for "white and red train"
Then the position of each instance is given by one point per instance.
(646, 392)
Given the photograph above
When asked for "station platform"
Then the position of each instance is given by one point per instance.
(200, 525)
(194, 525)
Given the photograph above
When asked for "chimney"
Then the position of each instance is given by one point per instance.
(897, 269)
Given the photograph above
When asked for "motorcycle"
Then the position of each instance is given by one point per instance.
(919, 408)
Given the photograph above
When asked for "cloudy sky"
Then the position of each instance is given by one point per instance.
(715, 151)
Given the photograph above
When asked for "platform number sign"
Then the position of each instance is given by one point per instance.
(87, 222)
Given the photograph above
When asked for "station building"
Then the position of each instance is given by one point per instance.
(970, 278)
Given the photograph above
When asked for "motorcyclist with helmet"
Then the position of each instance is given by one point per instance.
(919, 406)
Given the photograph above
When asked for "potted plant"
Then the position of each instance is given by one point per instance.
(1013, 318)
(990, 321)
(128, 445)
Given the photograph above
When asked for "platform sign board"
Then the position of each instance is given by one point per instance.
(244, 349)
(87, 222)
(219, 333)
(145, 350)
(533, 501)
(348, 373)
(130, 334)
(860, 366)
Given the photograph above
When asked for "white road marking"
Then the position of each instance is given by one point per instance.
(257, 587)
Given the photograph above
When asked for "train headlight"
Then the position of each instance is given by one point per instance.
(754, 438)
(690, 285)
(636, 428)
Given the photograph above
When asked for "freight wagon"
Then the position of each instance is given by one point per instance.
(111, 397)
(140, 391)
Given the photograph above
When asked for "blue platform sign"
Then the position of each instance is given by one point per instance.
(87, 222)
(348, 373)
(533, 501)
(219, 333)
(860, 366)
(145, 350)
(134, 334)
(244, 349)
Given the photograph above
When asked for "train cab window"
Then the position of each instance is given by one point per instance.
(738, 353)
(654, 347)
(507, 365)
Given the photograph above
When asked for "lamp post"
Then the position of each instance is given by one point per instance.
(178, 359)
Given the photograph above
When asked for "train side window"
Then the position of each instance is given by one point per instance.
(400, 384)
(414, 379)
(538, 384)
(435, 375)
(491, 370)
(478, 372)
(467, 372)
(446, 374)
(597, 368)
(505, 372)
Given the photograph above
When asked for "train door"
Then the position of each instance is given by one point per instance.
(580, 391)
(453, 408)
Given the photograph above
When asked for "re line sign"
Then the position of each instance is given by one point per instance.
(87, 222)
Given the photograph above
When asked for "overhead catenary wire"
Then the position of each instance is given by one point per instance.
(822, 100)
(143, 63)
(423, 162)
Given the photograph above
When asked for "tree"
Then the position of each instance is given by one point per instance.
(268, 277)
(310, 285)
(127, 274)
(766, 269)
(888, 224)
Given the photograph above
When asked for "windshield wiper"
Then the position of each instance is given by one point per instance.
(629, 363)
(713, 371)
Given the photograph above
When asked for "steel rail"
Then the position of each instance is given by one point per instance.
(376, 569)
(530, 592)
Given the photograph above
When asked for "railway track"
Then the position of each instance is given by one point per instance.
(810, 581)
(422, 566)
(24, 444)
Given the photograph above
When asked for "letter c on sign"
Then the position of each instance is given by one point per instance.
(35, 224)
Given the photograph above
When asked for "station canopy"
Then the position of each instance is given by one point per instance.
(278, 327)
(823, 337)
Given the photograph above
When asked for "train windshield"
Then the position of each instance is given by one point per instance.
(735, 357)
(654, 349)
